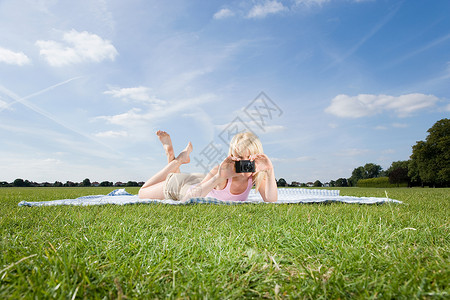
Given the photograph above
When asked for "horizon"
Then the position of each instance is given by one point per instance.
(327, 85)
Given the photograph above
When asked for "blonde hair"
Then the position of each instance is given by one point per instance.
(247, 141)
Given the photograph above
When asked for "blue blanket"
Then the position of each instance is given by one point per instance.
(285, 195)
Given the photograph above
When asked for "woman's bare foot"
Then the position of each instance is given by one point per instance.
(183, 157)
(166, 141)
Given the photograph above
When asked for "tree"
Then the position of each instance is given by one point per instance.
(397, 165)
(281, 182)
(430, 159)
(341, 182)
(369, 170)
(372, 170)
(317, 183)
(398, 172)
(357, 174)
(399, 176)
(19, 182)
(86, 182)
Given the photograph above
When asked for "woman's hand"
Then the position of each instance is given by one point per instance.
(262, 162)
(227, 169)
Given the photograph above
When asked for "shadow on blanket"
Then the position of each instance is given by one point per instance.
(285, 195)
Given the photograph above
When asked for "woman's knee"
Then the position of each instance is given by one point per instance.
(141, 193)
(152, 192)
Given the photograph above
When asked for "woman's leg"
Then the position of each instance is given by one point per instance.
(152, 192)
(153, 188)
(166, 141)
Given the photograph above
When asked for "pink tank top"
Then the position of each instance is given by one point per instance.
(226, 194)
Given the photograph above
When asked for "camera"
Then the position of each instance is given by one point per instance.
(245, 166)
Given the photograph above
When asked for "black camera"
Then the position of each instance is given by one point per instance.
(245, 166)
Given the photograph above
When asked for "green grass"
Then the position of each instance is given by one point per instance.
(210, 251)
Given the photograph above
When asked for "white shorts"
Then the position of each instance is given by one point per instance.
(178, 184)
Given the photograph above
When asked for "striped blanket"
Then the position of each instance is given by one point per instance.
(285, 195)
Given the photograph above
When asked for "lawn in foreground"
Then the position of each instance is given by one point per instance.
(157, 251)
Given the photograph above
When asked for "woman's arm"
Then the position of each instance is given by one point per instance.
(203, 188)
(268, 188)
(217, 176)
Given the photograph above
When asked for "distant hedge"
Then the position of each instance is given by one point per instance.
(379, 182)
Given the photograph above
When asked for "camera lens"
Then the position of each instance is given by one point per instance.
(244, 166)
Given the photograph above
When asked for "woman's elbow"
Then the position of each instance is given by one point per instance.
(271, 200)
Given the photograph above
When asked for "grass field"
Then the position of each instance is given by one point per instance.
(209, 251)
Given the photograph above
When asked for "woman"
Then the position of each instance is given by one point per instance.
(222, 182)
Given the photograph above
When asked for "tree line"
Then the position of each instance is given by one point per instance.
(85, 183)
(428, 165)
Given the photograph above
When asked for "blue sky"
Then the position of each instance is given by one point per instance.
(84, 85)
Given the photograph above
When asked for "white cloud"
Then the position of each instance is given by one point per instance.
(394, 125)
(352, 152)
(363, 105)
(320, 2)
(399, 125)
(261, 8)
(77, 47)
(128, 118)
(13, 58)
(138, 94)
(112, 134)
(274, 128)
(3, 105)
(137, 117)
(269, 7)
(223, 14)
(311, 2)
(292, 160)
